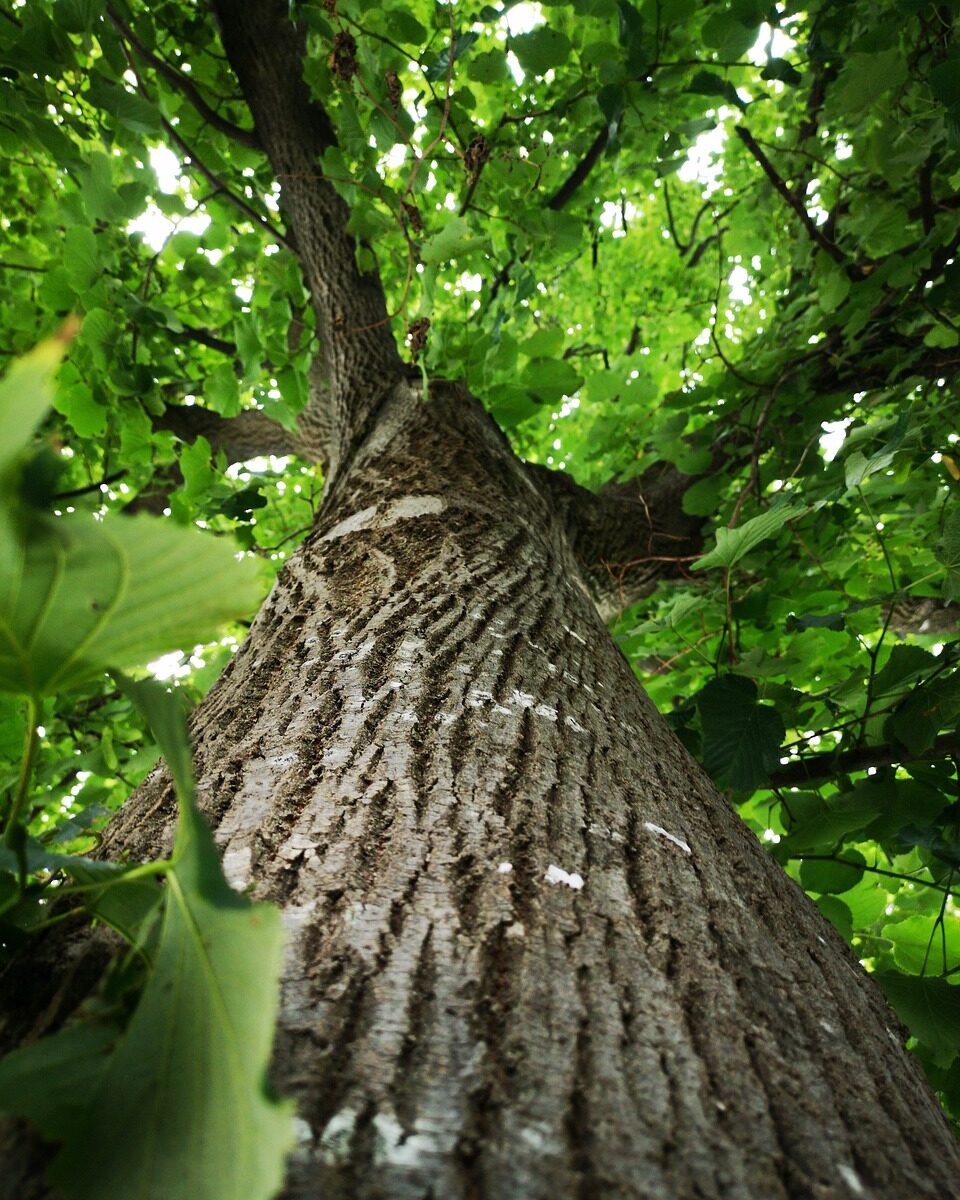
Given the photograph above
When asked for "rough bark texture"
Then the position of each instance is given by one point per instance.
(428, 696)
(533, 954)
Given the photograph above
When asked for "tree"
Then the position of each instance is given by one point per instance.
(532, 950)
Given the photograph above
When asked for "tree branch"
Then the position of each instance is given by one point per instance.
(826, 766)
(249, 434)
(353, 325)
(628, 536)
(185, 86)
(795, 202)
(580, 172)
(280, 238)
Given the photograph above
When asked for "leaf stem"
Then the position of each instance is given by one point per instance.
(30, 743)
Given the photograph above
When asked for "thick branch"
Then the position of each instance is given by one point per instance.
(580, 172)
(826, 766)
(184, 85)
(794, 201)
(218, 183)
(627, 537)
(250, 434)
(266, 51)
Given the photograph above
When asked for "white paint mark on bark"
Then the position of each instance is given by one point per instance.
(398, 1148)
(540, 1136)
(352, 524)
(405, 508)
(671, 837)
(557, 874)
(505, 868)
(336, 1137)
(851, 1179)
(298, 842)
(412, 506)
(236, 866)
(301, 1130)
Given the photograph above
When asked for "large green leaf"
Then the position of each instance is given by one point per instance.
(921, 946)
(929, 1007)
(541, 49)
(182, 1110)
(741, 737)
(733, 544)
(79, 595)
(26, 392)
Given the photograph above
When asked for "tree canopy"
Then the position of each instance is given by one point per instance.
(713, 244)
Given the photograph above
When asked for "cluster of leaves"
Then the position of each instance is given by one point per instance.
(173, 1053)
(644, 231)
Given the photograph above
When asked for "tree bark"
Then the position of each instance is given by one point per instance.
(532, 952)
(425, 745)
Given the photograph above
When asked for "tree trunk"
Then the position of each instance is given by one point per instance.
(533, 953)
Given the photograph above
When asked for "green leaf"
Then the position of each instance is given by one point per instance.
(701, 498)
(78, 596)
(405, 27)
(440, 66)
(728, 36)
(99, 334)
(919, 944)
(680, 608)
(80, 257)
(488, 67)
(832, 282)
(163, 711)
(125, 108)
(26, 393)
(819, 875)
(733, 544)
(455, 239)
(76, 402)
(541, 49)
(741, 737)
(866, 77)
(550, 378)
(181, 1109)
(780, 69)
(704, 83)
(76, 1057)
(930, 1008)
(838, 914)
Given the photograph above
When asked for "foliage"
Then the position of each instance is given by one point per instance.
(720, 236)
(76, 596)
